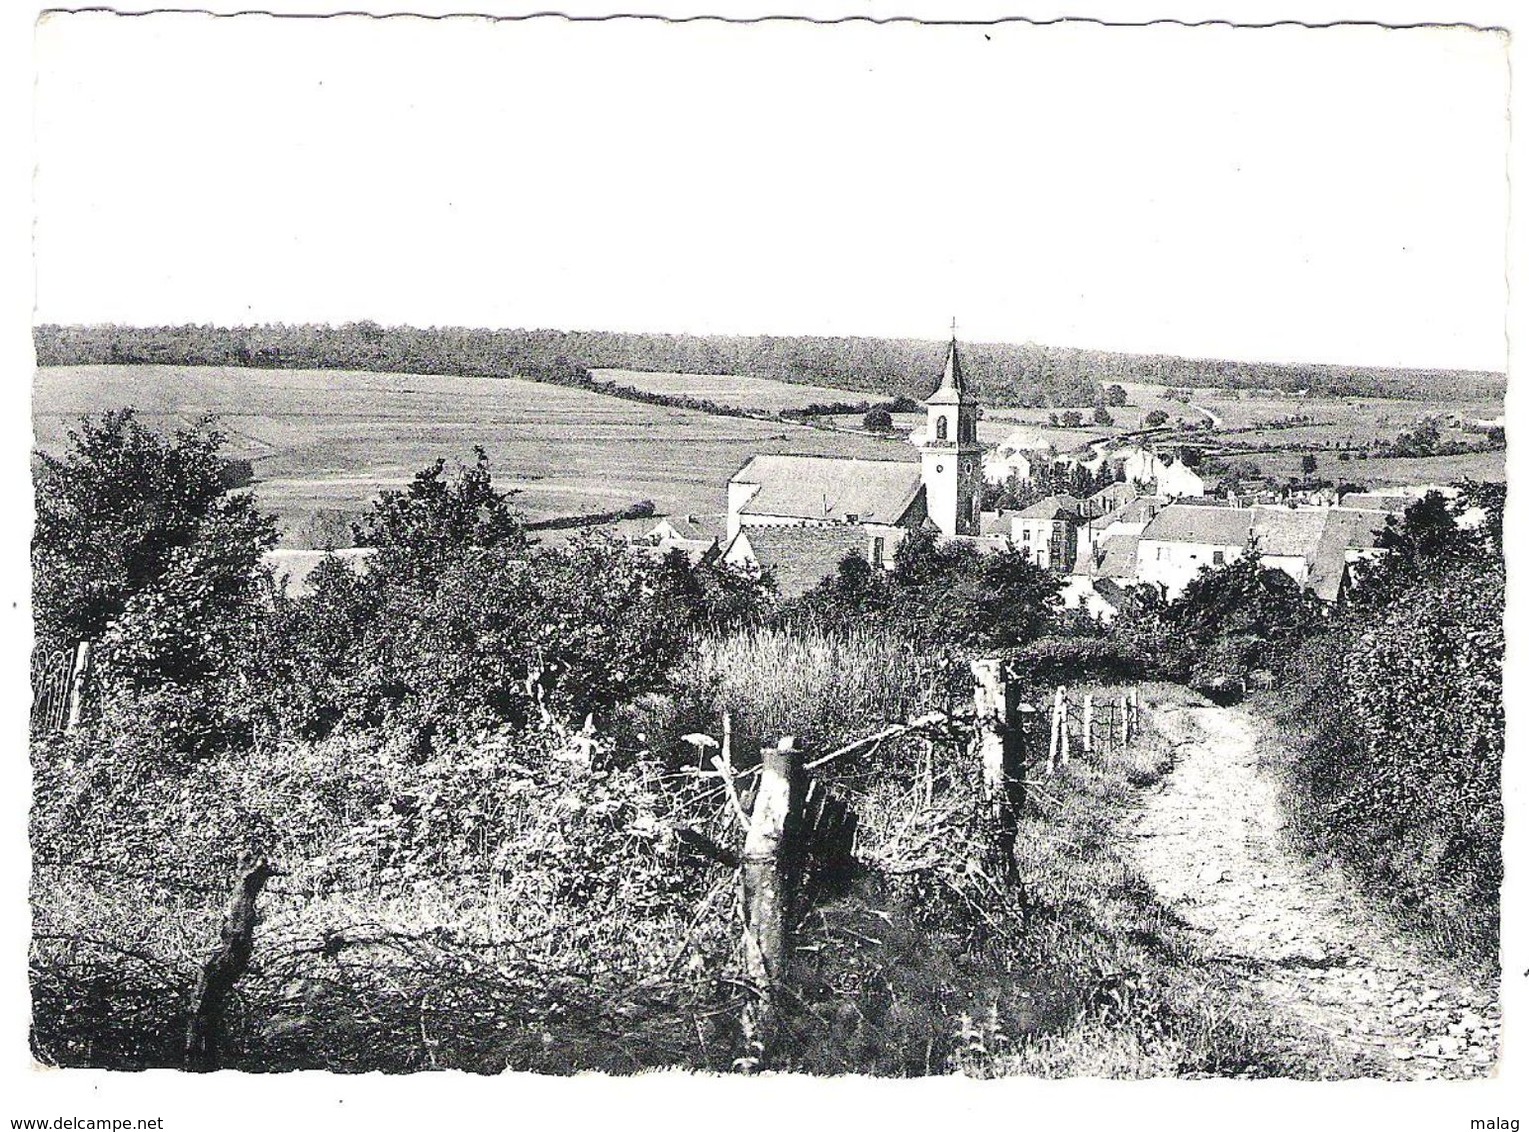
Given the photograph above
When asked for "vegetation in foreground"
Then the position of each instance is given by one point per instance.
(500, 852)
(1397, 719)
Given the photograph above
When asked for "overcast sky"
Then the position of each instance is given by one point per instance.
(1335, 195)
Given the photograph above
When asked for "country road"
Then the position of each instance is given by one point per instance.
(1215, 419)
(1212, 843)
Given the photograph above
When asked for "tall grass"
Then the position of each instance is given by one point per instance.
(824, 688)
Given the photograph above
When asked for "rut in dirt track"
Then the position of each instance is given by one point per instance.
(1212, 842)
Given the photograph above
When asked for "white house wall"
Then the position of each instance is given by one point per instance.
(1173, 565)
(738, 494)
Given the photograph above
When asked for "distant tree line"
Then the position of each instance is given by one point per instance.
(1027, 375)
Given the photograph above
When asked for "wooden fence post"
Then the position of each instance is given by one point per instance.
(764, 888)
(1056, 733)
(1088, 723)
(1125, 719)
(1064, 707)
(77, 686)
(1002, 747)
(225, 964)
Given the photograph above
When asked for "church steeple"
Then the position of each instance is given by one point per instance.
(952, 456)
(952, 388)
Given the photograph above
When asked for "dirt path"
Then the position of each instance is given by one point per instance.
(1212, 844)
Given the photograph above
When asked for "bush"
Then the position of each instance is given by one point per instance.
(825, 688)
(495, 906)
(1069, 660)
(1400, 770)
(939, 596)
(114, 510)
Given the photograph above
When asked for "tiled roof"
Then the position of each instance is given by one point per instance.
(1115, 494)
(828, 487)
(1376, 501)
(1213, 526)
(798, 558)
(695, 550)
(1345, 530)
(1054, 507)
(1119, 557)
(1115, 557)
(997, 522)
(1286, 532)
(1139, 510)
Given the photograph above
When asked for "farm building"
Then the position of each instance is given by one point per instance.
(1315, 546)
(799, 557)
(1127, 521)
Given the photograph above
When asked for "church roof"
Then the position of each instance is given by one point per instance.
(798, 558)
(831, 487)
(952, 389)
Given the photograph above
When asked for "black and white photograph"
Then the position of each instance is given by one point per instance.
(725, 550)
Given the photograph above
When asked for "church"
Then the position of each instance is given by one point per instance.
(798, 516)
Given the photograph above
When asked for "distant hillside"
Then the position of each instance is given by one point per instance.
(1026, 375)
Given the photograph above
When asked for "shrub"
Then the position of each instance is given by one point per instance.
(1068, 660)
(1399, 774)
(113, 511)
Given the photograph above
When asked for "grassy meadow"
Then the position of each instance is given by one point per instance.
(330, 439)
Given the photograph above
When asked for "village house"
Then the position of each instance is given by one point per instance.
(1126, 522)
(1018, 455)
(1161, 474)
(1048, 531)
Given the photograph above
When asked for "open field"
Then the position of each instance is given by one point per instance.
(328, 439)
(753, 394)
(1389, 472)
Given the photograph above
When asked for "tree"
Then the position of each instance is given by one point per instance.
(878, 420)
(1072, 419)
(1430, 539)
(938, 594)
(416, 531)
(118, 507)
(1114, 396)
(1155, 419)
(1102, 417)
(1227, 621)
(1308, 464)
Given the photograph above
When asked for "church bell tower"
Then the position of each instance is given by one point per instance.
(952, 456)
